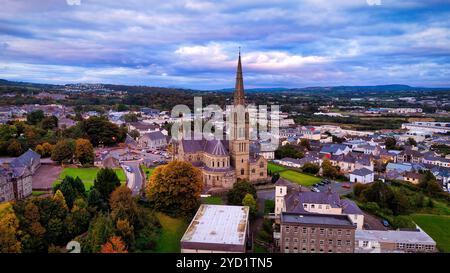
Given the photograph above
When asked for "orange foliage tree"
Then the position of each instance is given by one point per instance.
(114, 245)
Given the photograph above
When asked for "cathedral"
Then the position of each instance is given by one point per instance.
(223, 162)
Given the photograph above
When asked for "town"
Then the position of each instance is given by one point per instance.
(112, 177)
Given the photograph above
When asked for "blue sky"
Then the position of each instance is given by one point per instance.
(194, 44)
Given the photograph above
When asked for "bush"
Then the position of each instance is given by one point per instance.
(269, 206)
(402, 222)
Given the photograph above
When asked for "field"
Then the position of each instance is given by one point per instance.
(275, 167)
(171, 233)
(212, 200)
(437, 226)
(299, 178)
(87, 175)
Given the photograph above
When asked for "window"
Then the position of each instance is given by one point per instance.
(312, 206)
(349, 242)
(339, 242)
(339, 232)
(295, 240)
(242, 171)
(321, 242)
(287, 229)
(322, 231)
(313, 230)
(253, 171)
(286, 240)
(330, 242)
(261, 165)
(304, 230)
(365, 243)
(295, 229)
(320, 206)
(348, 232)
(261, 174)
(312, 241)
(305, 206)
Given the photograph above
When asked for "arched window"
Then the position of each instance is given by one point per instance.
(253, 171)
(242, 171)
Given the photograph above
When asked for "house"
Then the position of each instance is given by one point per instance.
(412, 177)
(298, 162)
(290, 198)
(334, 149)
(436, 161)
(142, 127)
(388, 241)
(130, 142)
(362, 175)
(29, 159)
(217, 229)
(16, 183)
(152, 140)
(409, 155)
(316, 233)
(352, 161)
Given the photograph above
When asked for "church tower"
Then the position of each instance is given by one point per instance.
(239, 129)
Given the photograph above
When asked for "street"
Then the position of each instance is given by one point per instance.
(134, 178)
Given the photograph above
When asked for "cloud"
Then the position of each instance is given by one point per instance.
(194, 44)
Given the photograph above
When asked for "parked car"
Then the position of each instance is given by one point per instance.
(346, 185)
(385, 223)
(315, 189)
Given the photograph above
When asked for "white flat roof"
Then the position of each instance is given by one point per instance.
(218, 224)
(394, 236)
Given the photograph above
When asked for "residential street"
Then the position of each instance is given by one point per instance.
(134, 178)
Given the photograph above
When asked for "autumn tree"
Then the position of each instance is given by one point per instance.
(106, 182)
(59, 197)
(77, 221)
(250, 201)
(15, 148)
(63, 151)
(114, 245)
(175, 187)
(123, 206)
(9, 227)
(126, 231)
(84, 151)
(44, 149)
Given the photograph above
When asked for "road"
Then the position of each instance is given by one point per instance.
(134, 178)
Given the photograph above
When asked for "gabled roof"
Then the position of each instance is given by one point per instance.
(155, 135)
(26, 159)
(216, 147)
(362, 172)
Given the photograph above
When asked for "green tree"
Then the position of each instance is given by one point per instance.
(175, 188)
(49, 122)
(63, 151)
(100, 229)
(101, 131)
(35, 117)
(59, 197)
(390, 143)
(250, 201)
(134, 134)
(412, 141)
(71, 189)
(123, 206)
(106, 182)
(240, 189)
(328, 170)
(311, 168)
(288, 150)
(77, 222)
(305, 144)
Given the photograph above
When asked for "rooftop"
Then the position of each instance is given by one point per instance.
(394, 236)
(218, 226)
(317, 219)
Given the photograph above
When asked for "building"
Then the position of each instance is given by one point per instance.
(433, 127)
(16, 178)
(316, 233)
(152, 140)
(362, 175)
(217, 229)
(223, 162)
(412, 177)
(290, 198)
(334, 149)
(385, 241)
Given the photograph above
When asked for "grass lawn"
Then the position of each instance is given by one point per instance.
(212, 200)
(147, 171)
(272, 167)
(437, 226)
(38, 193)
(87, 175)
(172, 231)
(299, 178)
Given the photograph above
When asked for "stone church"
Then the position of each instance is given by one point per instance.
(223, 162)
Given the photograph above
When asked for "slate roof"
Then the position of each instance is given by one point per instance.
(350, 207)
(26, 159)
(155, 135)
(213, 147)
(333, 148)
(317, 219)
(362, 172)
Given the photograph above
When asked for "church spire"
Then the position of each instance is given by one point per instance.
(239, 98)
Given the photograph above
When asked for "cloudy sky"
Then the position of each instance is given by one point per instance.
(194, 44)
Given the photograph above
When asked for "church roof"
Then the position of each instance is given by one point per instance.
(216, 147)
(213, 147)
